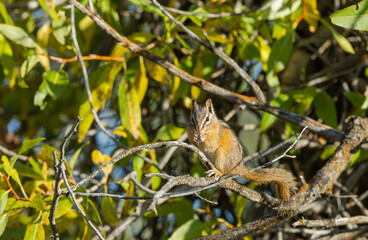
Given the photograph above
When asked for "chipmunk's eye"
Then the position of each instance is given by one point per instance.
(207, 119)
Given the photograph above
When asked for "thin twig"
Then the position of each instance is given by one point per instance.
(11, 153)
(111, 195)
(333, 222)
(253, 103)
(89, 94)
(258, 92)
(143, 147)
(71, 192)
(58, 177)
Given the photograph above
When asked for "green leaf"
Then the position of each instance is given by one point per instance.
(304, 96)
(65, 204)
(28, 144)
(325, 109)
(27, 171)
(280, 53)
(328, 152)
(61, 28)
(183, 213)
(56, 82)
(129, 108)
(12, 173)
(28, 65)
(353, 17)
(5, 15)
(148, 6)
(341, 40)
(36, 202)
(7, 60)
(3, 222)
(268, 119)
(278, 9)
(35, 231)
(169, 132)
(189, 230)
(75, 156)
(18, 35)
(3, 200)
(358, 99)
(109, 212)
(40, 95)
(51, 12)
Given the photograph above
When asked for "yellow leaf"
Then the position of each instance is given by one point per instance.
(87, 27)
(141, 81)
(157, 72)
(312, 14)
(120, 131)
(43, 34)
(265, 51)
(99, 159)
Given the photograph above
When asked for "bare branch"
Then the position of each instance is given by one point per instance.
(58, 177)
(357, 130)
(143, 147)
(258, 92)
(333, 222)
(11, 153)
(253, 103)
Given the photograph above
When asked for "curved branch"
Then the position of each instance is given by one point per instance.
(357, 131)
(251, 102)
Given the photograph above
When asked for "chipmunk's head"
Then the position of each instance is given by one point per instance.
(203, 121)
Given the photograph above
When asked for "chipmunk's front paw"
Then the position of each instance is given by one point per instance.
(214, 173)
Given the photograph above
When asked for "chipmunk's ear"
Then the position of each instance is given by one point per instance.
(209, 106)
(194, 103)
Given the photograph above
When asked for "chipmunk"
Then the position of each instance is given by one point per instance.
(221, 146)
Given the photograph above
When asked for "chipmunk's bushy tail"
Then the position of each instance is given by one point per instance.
(284, 179)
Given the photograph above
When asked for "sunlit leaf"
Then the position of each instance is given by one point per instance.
(169, 132)
(189, 230)
(36, 202)
(40, 95)
(99, 159)
(312, 14)
(5, 15)
(7, 60)
(60, 27)
(50, 11)
(18, 35)
(341, 40)
(3, 222)
(65, 204)
(28, 65)
(3, 200)
(141, 81)
(141, 37)
(279, 9)
(130, 111)
(353, 17)
(35, 231)
(43, 34)
(157, 72)
(56, 82)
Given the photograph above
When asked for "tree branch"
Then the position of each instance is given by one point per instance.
(253, 103)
